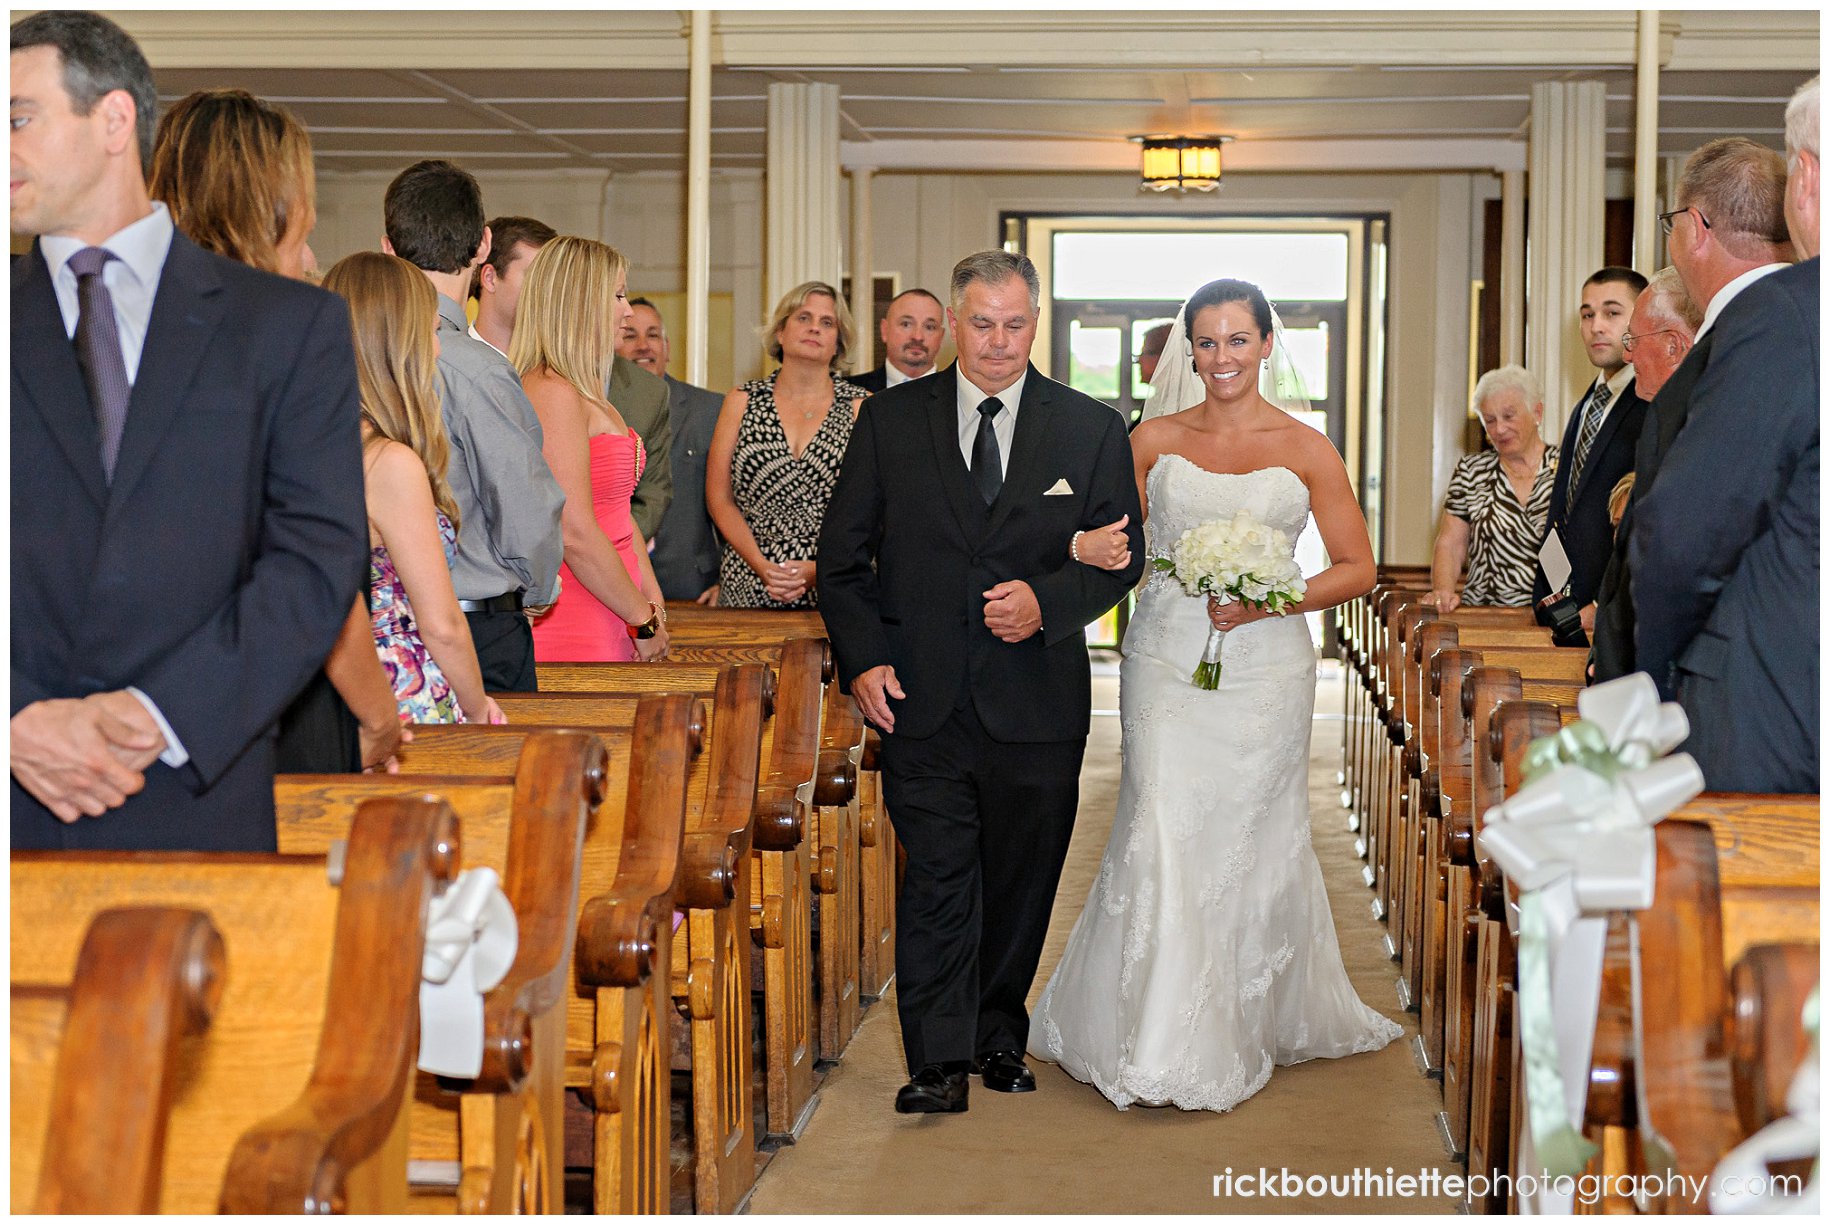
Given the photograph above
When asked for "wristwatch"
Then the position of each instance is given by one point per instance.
(650, 627)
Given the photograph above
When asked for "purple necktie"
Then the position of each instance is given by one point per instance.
(98, 350)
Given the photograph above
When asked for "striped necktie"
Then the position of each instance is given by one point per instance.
(1591, 426)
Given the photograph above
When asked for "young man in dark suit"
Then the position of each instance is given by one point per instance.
(188, 523)
(956, 616)
(1597, 446)
(912, 332)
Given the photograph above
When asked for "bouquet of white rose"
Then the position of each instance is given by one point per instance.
(1233, 559)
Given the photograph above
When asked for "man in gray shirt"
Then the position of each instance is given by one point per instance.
(509, 545)
(685, 552)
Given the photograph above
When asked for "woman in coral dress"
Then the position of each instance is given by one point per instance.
(572, 308)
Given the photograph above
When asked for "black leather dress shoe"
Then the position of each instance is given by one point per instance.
(935, 1090)
(1005, 1072)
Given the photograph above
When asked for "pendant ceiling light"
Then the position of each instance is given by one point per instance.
(1181, 163)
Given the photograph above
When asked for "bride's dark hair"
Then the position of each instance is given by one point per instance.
(1227, 290)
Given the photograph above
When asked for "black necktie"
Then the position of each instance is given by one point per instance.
(987, 471)
(98, 351)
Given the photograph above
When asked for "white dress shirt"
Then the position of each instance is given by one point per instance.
(1616, 386)
(894, 377)
(1728, 292)
(132, 279)
(1004, 424)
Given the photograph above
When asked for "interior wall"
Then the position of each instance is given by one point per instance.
(922, 224)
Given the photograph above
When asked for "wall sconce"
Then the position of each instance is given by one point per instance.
(1181, 163)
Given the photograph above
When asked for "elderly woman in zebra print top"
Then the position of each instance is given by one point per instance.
(1493, 518)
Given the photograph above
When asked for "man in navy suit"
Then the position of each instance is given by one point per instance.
(1725, 547)
(1598, 444)
(188, 522)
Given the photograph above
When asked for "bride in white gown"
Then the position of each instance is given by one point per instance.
(1206, 952)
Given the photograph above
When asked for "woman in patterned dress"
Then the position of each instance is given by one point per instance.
(572, 308)
(1493, 518)
(420, 633)
(776, 454)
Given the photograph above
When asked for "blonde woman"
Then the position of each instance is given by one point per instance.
(776, 453)
(420, 633)
(573, 304)
(236, 173)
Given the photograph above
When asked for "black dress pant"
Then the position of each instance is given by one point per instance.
(986, 826)
(505, 650)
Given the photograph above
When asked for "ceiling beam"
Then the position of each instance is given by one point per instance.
(1115, 155)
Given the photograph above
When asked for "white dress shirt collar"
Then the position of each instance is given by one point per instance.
(894, 377)
(967, 399)
(1616, 384)
(132, 277)
(476, 335)
(1728, 293)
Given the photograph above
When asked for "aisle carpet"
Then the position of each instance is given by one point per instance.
(1065, 1148)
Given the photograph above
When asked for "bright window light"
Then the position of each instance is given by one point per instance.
(1288, 267)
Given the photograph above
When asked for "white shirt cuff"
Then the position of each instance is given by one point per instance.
(175, 754)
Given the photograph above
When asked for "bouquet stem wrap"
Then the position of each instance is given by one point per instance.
(1207, 672)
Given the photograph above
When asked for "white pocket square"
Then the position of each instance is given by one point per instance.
(1059, 489)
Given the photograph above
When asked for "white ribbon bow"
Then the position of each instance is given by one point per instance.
(1577, 841)
(470, 944)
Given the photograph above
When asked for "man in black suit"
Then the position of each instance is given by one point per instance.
(1597, 447)
(912, 334)
(1744, 184)
(1726, 571)
(956, 615)
(188, 522)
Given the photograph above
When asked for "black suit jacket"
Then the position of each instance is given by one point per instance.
(1582, 523)
(1724, 550)
(1612, 651)
(908, 549)
(215, 570)
(872, 381)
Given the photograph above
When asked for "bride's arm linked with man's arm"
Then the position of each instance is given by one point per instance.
(1078, 592)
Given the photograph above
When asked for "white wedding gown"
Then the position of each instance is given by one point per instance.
(1206, 952)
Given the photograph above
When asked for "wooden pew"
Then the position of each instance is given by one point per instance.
(781, 898)
(493, 1144)
(840, 859)
(619, 1005)
(96, 1060)
(295, 1101)
(710, 976)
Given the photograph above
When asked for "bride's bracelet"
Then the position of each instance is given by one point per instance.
(1074, 546)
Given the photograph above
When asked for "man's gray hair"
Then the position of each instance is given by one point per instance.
(1801, 122)
(1740, 186)
(994, 268)
(99, 57)
(1509, 378)
(1671, 302)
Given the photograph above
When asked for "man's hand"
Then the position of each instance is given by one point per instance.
(873, 691)
(708, 597)
(1011, 611)
(132, 733)
(1588, 618)
(61, 755)
(379, 744)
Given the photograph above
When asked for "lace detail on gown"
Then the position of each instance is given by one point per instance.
(1206, 954)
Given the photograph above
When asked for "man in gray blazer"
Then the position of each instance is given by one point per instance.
(1725, 573)
(685, 552)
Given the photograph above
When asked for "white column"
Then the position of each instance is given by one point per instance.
(1568, 157)
(801, 218)
(698, 195)
(863, 305)
(1645, 148)
(1512, 268)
